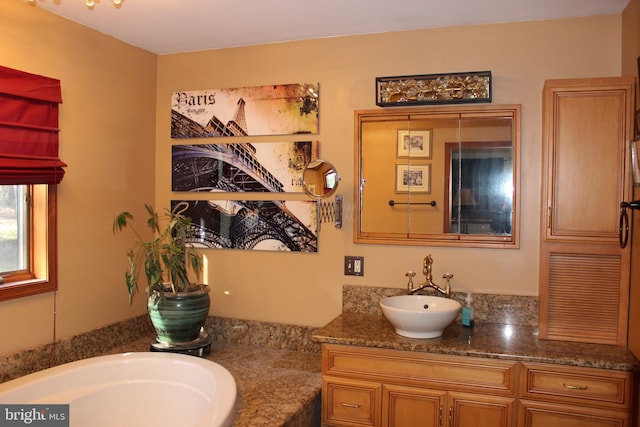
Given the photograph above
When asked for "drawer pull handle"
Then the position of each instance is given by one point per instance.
(575, 387)
(349, 405)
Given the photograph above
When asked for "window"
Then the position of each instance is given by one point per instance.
(30, 170)
(14, 229)
(27, 240)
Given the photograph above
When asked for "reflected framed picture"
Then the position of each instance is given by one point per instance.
(415, 143)
(413, 178)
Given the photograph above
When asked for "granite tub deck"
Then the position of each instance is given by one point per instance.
(276, 387)
(277, 367)
(488, 340)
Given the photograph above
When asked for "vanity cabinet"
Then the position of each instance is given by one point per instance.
(364, 386)
(390, 388)
(564, 396)
(584, 274)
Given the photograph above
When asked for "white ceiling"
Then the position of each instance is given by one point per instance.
(172, 26)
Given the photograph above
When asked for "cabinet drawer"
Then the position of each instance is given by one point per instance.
(421, 369)
(543, 414)
(589, 386)
(350, 402)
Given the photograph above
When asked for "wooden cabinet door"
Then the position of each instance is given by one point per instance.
(412, 407)
(467, 409)
(587, 127)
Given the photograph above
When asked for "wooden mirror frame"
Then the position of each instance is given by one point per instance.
(511, 241)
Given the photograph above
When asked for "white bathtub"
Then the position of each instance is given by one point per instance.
(133, 389)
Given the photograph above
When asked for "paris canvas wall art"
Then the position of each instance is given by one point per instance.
(249, 111)
(268, 225)
(241, 167)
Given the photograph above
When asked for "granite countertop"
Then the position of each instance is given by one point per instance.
(275, 387)
(489, 340)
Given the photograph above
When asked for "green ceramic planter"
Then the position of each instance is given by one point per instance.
(178, 317)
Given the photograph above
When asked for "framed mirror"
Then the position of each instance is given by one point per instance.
(443, 176)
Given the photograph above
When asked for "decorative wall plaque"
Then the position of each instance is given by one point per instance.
(451, 88)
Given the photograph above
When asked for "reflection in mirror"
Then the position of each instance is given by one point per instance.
(438, 175)
(481, 187)
(320, 179)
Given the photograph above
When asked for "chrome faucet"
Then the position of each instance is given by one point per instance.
(428, 283)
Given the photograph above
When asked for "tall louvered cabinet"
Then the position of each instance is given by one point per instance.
(584, 273)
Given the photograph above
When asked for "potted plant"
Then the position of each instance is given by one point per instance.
(178, 307)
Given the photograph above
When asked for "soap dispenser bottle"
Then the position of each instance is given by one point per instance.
(468, 312)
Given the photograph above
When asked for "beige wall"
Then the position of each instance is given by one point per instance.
(631, 39)
(107, 138)
(305, 288)
(117, 108)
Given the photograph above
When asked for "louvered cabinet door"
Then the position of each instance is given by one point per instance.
(584, 274)
(583, 293)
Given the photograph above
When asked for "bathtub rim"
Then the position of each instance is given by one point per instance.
(221, 411)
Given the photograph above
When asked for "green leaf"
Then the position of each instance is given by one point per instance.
(120, 221)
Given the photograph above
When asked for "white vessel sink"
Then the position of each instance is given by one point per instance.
(420, 316)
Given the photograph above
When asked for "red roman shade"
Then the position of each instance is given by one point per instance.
(29, 128)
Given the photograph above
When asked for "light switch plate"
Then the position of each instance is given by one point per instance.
(354, 265)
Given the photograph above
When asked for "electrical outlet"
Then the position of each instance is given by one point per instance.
(354, 266)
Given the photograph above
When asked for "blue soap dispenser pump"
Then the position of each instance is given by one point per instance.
(468, 312)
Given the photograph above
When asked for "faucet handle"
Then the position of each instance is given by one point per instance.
(448, 277)
(410, 275)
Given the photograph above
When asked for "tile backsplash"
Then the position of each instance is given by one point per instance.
(103, 340)
(89, 344)
(489, 308)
